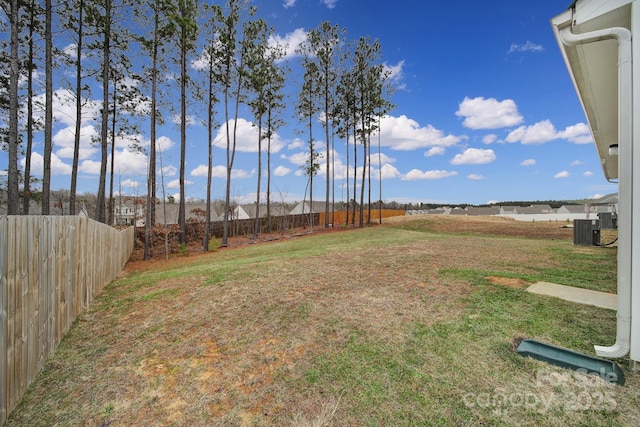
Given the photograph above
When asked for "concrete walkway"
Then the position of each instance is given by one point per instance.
(570, 293)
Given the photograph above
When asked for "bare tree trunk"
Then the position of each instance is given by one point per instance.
(13, 207)
(26, 193)
(379, 173)
(113, 152)
(100, 201)
(355, 170)
(257, 219)
(269, 175)
(369, 178)
(183, 132)
(78, 127)
(151, 182)
(207, 224)
(48, 111)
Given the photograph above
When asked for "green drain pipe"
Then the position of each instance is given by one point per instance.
(607, 370)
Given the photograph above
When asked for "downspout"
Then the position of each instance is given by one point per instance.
(625, 128)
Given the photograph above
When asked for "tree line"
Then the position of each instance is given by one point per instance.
(344, 89)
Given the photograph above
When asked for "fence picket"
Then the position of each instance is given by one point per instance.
(50, 269)
(3, 318)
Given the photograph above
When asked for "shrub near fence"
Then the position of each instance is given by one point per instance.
(51, 267)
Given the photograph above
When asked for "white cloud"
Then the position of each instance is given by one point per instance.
(289, 3)
(289, 42)
(64, 141)
(90, 166)
(475, 177)
(388, 171)
(169, 170)
(297, 159)
(130, 183)
(435, 151)
(281, 171)
(416, 174)
(218, 172)
(490, 139)
(395, 74)
(375, 160)
(127, 163)
(577, 163)
(130, 162)
(177, 119)
(528, 162)
(330, 3)
(578, 134)
(474, 156)
(405, 134)
(587, 173)
(202, 61)
(221, 172)
(176, 183)
(297, 143)
(246, 138)
(64, 108)
(71, 51)
(164, 143)
(200, 170)
(525, 47)
(563, 174)
(58, 167)
(545, 131)
(481, 113)
(538, 133)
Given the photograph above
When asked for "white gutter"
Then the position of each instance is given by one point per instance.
(625, 139)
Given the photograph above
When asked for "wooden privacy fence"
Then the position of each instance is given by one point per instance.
(51, 267)
(340, 217)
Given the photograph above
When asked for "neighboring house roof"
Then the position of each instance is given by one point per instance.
(317, 207)
(172, 210)
(276, 210)
(485, 210)
(508, 209)
(535, 210)
(572, 209)
(609, 199)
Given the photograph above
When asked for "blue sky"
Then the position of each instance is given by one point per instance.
(485, 111)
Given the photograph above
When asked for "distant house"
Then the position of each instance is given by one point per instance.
(276, 210)
(193, 211)
(317, 207)
(485, 210)
(128, 212)
(438, 211)
(458, 211)
(508, 210)
(240, 213)
(573, 209)
(535, 210)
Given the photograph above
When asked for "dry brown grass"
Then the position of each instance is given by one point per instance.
(227, 338)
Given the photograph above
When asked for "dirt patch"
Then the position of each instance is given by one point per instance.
(509, 282)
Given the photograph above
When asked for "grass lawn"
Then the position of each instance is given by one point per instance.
(410, 323)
